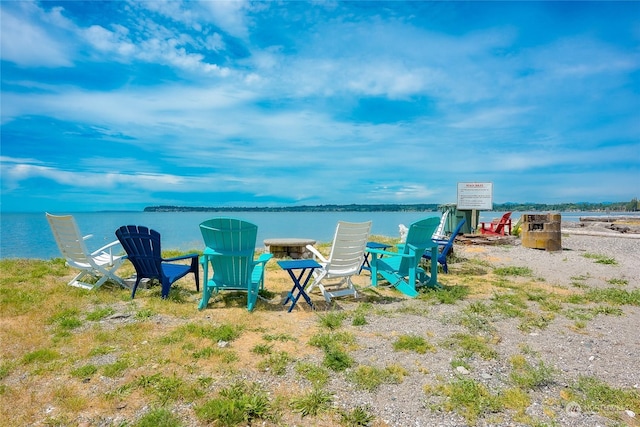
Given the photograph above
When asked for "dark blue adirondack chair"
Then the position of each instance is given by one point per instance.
(143, 250)
(444, 247)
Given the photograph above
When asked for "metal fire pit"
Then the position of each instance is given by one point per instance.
(542, 232)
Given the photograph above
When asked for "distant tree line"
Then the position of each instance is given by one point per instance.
(632, 206)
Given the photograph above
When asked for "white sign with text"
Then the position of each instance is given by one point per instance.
(475, 195)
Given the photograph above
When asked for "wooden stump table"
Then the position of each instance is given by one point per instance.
(289, 247)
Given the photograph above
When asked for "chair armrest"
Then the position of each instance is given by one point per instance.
(263, 258)
(382, 252)
(178, 258)
(316, 253)
(105, 247)
(88, 236)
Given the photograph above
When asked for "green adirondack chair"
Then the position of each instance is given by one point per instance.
(401, 269)
(230, 248)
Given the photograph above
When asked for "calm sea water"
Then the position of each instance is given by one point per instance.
(27, 235)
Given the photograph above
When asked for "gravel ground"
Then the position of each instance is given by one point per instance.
(606, 348)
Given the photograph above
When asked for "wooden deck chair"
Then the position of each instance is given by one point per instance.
(501, 227)
(230, 247)
(100, 264)
(444, 248)
(402, 269)
(145, 253)
(345, 260)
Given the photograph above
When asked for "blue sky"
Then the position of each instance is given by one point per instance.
(122, 105)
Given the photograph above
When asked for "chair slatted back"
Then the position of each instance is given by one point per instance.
(232, 242)
(419, 236)
(349, 244)
(68, 238)
(143, 249)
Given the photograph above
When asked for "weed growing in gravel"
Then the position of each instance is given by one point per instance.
(614, 296)
(158, 417)
(313, 402)
(100, 313)
(358, 416)
(513, 271)
(240, 403)
(85, 371)
(413, 343)
(317, 375)
(469, 345)
(370, 377)
(445, 294)
(276, 363)
(468, 398)
(333, 344)
(600, 259)
(527, 376)
(278, 337)
(332, 320)
(594, 395)
(262, 349)
(618, 282)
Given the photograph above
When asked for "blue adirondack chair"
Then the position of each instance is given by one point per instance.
(401, 269)
(144, 251)
(230, 248)
(444, 247)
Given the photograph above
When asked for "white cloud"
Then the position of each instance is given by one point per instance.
(27, 41)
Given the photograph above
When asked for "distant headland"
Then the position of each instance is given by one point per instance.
(631, 206)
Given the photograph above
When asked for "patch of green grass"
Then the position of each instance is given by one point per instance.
(469, 398)
(276, 363)
(66, 319)
(370, 377)
(167, 389)
(513, 271)
(42, 355)
(115, 369)
(317, 375)
(335, 356)
(358, 416)
(262, 349)
(533, 321)
(84, 371)
(101, 350)
(509, 304)
(144, 314)
(600, 259)
(618, 282)
(595, 395)
(445, 294)
(413, 343)
(100, 313)
(468, 345)
(224, 332)
(313, 402)
(529, 377)
(238, 404)
(614, 296)
(358, 319)
(332, 320)
(159, 417)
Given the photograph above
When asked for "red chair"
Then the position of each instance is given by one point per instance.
(497, 227)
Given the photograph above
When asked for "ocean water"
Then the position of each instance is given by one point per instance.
(27, 235)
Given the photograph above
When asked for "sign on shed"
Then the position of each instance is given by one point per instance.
(475, 195)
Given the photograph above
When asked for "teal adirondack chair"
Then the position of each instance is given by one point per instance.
(230, 248)
(401, 269)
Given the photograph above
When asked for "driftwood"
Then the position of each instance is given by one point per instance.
(485, 239)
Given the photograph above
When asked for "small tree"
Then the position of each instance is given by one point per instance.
(632, 206)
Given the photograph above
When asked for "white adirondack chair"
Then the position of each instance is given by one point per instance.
(345, 259)
(100, 264)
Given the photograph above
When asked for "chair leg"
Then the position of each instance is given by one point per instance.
(195, 267)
